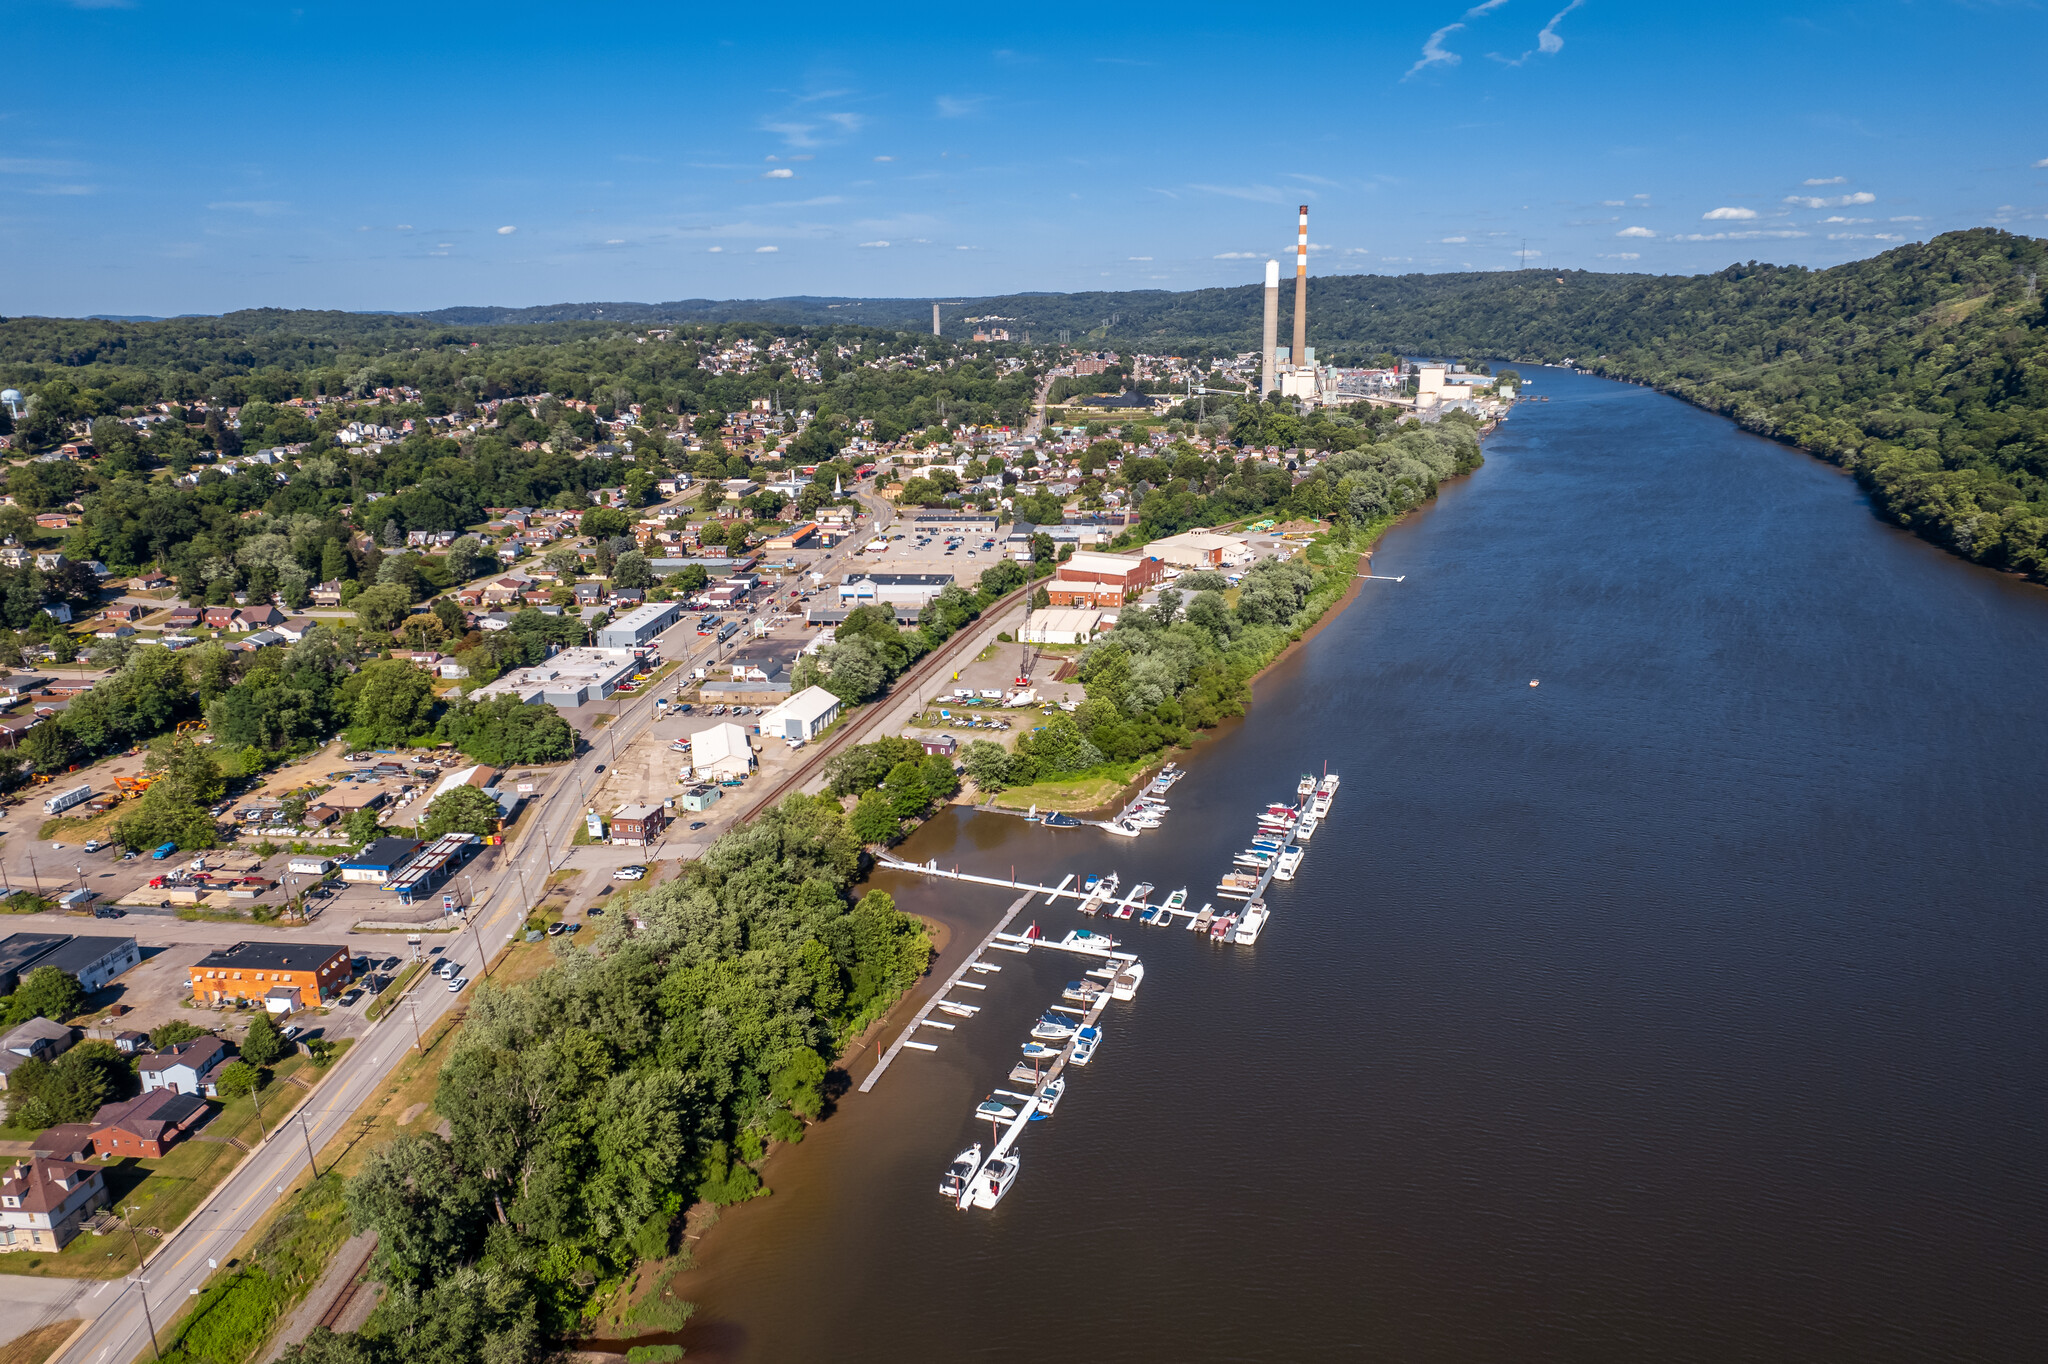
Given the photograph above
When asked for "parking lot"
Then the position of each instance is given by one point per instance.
(965, 555)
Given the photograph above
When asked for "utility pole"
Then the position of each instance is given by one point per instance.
(141, 1284)
(411, 1011)
(312, 1165)
(259, 1103)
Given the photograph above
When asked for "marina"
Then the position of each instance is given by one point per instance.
(1068, 1032)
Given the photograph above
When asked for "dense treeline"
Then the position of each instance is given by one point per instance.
(588, 1108)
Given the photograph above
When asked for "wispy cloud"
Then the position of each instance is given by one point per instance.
(1137, 258)
(885, 158)
(1828, 180)
(960, 106)
(1313, 180)
(2042, 164)
(1434, 53)
(1635, 232)
(1839, 201)
(874, 244)
(20, 165)
(1454, 241)
(779, 173)
(1838, 218)
(1548, 42)
(1908, 218)
(262, 208)
(766, 250)
(1721, 214)
(65, 189)
(1622, 255)
(507, 231)
(1236, 255)
(1753, 234)
(1258, 194)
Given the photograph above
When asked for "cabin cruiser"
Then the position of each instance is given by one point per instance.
(1125, 986)
(1202, 917)
(1177, 901)
(1254, 920)
(1307, 828)
(1038, 1051)
(1087, 940)
(1085, 1043)
(1289, 860)
(996, 1107)
(995, 1179)
(954, 1182)
(1049, 1098)
(1082, 991)
(1329, 784)
(1051, 1028)
(1253, 858)
(1056, 820)
(1306, 786)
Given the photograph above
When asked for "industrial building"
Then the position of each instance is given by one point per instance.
(1103, 580)
(1202, 549)
(91, 961)
(720, 752)
(802, 717)
(894, 589)
(1061, 627)
(571, 678)
(298, 974)
(637, 627)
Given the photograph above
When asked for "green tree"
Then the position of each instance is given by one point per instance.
(904, 786)
(389, 702)
(632, 571)
(236, 1080)
(264, 1045)
(874, 818)
(379, 609)
(360, 826)
(49, 747)
(45, 992)
(602, 523)
(171, 1033)
(461, 809)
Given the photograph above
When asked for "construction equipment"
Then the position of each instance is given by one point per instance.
(191, 726)
(133, 786)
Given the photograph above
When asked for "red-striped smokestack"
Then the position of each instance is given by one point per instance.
(1300, 356)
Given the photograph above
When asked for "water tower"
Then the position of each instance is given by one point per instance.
(12, 397)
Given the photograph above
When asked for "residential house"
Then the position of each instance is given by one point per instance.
(220, 618)
(38, 1038)
(260, 640)
(327, 593)
(190, 1067)
(113, 630)
(13, 553)
(311, 972)
(45, 1203)
(151, 581)
(296, 628)
(943, 745)
(589, 594)
(183, 618)
(638, 825)
(122, 611)
(259, 617)
(721, 752)
(146, 1125)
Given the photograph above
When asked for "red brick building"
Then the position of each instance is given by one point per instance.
(1104, 581)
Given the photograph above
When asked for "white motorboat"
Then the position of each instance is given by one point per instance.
(1051, 1028)
(1125, 986)
(1087, 940)
(996, 1107)
(1177, 901)
(1049, 1099)
(983, 967)
(994, 1180)
(1254, 919)
(1038, 1051)
(1307, 828)
(1328, 785)
(954, 1182)
(947, 1006)
(1320, 806)
(1082, 991)
(1123, 828)
(1085, 1043)
(1306, 786)
(1261, 860)
(1289, 860)
(1221, 927)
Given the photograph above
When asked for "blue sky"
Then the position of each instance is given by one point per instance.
(159, 157)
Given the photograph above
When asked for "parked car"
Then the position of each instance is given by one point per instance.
(93, 845)
(456, 984)
(349, 998)
(629, 873)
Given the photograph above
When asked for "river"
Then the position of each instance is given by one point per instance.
(1687, 1006)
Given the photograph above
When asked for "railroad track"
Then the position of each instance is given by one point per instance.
(350, 1286)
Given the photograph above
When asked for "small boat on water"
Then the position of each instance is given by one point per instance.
(1329, 784)
(1139, 892)
(1082, 991)
(997, 1107)
(1254, 919)
(1091, 885)
(1307, 828)
(1125, 986)
(1306, 786)
(983, 967)
(1221, 927)
(1051, 1028)
(1085, 1043)
(1320, 806)
(1177, 901)
(947, 1006)
(994, 1180)
(1049, 1099)
(954, 1182)
(1261, 860)
(1058, 820)
(1123, 910)
(1289, 860)
(1202, 917)
(1038, 1051)
(1088, 940)
(1123, 828)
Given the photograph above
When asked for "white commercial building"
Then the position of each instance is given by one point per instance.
(721, 751)
(803, 716)
(1053, 626)
(570, 678)
(1201, 549)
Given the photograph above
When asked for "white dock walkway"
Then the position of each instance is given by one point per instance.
(904, 1038)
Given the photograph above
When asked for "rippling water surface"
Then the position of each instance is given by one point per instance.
(1686, 1007)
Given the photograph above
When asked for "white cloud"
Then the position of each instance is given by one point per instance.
(2042, 164)
(1548, 43)
(885, 158)
(65, 189)
(615, 241)
(1838, 218)
(17, 165)
(779, 173)
(507, 231)
(963, 248)
(1907, 218)
(1720, 214)
(1752, 235)
(714, 250)
(262, 208)
(1614, 203)
(1623, 255)
(1236, 255)
(1258, 194)
(1454, 241)
(1138, 258)
(874, 243)
(403, 227)
(1862, 196)
(1434, 53)
(1830, 180)
(1635, 232)
(765, 250)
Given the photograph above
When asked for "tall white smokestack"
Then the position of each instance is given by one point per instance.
(1268, 380)
(935, 319)
(1300, 355)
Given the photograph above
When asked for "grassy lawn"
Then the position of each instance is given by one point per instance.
(164, 1192)
(64, 829)
(39, 1344)
(1087, 791)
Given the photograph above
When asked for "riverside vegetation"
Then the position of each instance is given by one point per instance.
(592, 1106)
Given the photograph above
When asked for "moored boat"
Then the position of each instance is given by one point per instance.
(1307, 828)
(995, 1106)
(1221, 927)
(947, 1006)
(1254, 919)
(1088, 940)
(1082, 991)
(954, 1182)
(1059, 820)
(1049, 1099)
(1051, 1028)
(1289, 860)
(1125, 986)
(1177, 901)
(1039, 1051)
(992, 1182)
(1306, 786)
(1085, 1043)
(1202, 917)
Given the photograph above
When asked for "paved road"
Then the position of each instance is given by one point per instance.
(508, 880)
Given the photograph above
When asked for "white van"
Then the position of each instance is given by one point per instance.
(448, 969)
